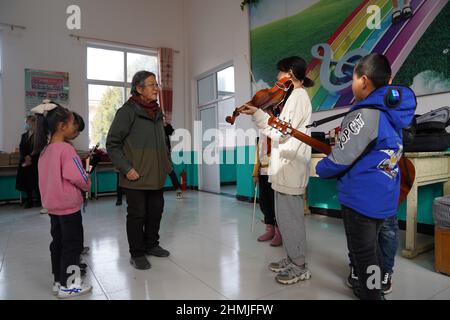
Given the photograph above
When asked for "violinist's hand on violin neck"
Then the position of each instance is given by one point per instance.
(249, 109)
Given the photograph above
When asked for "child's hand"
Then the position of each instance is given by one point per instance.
(132, 175)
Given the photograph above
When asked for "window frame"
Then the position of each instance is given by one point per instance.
(124, 85)
(214, 103)
(213, 72)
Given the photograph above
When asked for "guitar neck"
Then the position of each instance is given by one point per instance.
(314, 143)
(286, 129)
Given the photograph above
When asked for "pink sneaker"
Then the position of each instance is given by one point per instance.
(277, 240)
(268, 235)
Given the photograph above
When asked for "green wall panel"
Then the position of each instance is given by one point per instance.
(8, 188)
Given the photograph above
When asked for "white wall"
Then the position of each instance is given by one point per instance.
(45, 44)
(218, 34)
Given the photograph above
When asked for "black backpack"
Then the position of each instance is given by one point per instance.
(429, 133)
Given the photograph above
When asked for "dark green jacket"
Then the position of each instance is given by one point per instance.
(136, 141)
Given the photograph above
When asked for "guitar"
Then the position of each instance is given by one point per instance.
(407, 169)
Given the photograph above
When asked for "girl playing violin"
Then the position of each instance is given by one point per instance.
(289, 170)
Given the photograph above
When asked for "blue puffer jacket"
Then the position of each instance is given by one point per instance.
(365, 160)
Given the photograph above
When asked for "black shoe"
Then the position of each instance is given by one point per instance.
(158, 252)
(357, 293)
(407, 13)
(386, 283)
(352, 280)
(396, 16)
(140, 263)
(119, 202)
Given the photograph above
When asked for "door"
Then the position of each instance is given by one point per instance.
(209, 172)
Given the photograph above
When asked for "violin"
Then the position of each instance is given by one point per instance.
(265, 98)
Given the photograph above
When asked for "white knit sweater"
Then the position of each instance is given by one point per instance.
(290, 158)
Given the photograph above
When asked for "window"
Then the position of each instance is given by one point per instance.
(225, 83)
(218, 89)
(109, 75)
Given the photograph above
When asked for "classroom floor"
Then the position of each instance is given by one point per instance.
(214, 256)
(228, 190)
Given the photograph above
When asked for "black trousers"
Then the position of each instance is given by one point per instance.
(145, 208)
(267, 200)
(363, 246)
(174, 179)
(66, 246)
(30, 195)
(119, 189)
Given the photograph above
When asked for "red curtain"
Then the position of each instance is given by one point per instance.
(165, 58)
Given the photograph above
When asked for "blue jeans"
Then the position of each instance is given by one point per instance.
(388, 243)
(362, 241)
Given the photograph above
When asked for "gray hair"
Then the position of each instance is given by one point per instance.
(139, 81)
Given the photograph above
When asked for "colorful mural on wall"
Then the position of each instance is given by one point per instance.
(333, 35)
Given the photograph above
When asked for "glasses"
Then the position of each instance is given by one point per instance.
(154, 85)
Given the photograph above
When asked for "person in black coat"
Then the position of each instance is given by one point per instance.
(169, 130)
(27, 172)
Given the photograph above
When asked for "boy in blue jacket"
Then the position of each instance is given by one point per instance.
(365, 161)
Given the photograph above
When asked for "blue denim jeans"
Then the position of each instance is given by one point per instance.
(362, 241)
(388, 243)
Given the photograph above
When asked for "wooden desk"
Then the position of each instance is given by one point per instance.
(8, 171)
(431, 167)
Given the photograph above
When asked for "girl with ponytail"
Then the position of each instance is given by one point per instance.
(289, 170)
(61, 177)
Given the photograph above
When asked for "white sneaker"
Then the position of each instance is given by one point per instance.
(55, 288)
(44, 211)
(73, 291)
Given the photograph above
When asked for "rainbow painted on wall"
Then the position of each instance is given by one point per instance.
(332, 65)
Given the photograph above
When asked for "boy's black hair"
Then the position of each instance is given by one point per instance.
(376, 67)
(78, 121)
(46, 125)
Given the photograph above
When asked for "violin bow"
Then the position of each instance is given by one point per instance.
(251, 72)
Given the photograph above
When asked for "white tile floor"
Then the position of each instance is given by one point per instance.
(229, 190)
(214, 256)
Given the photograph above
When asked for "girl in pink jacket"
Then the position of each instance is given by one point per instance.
(61, 177)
